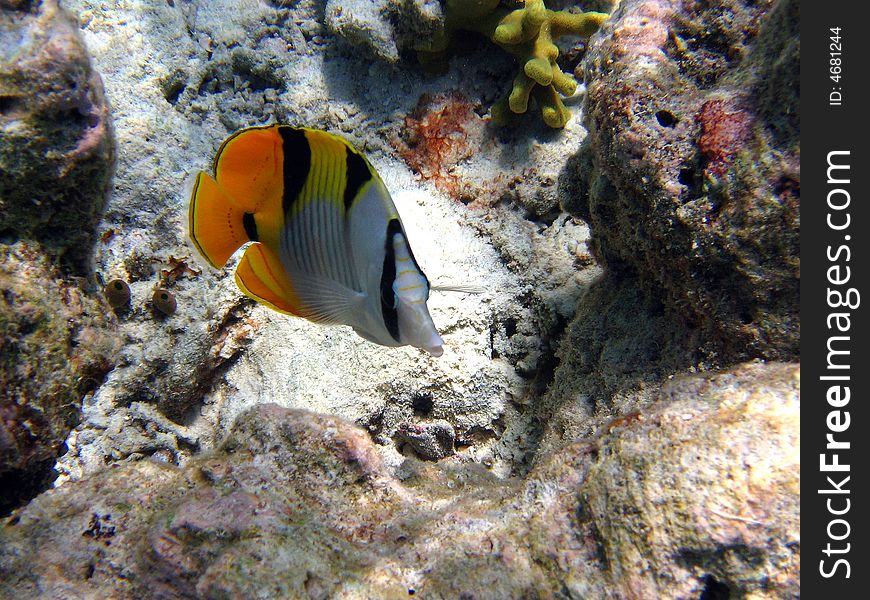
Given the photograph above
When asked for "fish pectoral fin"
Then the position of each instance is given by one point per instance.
(326, 301)
(260, 276)
(216, 222)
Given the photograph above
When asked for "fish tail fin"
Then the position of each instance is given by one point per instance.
(217, 223)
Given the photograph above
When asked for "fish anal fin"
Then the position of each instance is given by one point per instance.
(216, 222)
(261, 277)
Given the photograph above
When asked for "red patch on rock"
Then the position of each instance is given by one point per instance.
(434, 137)
(726, 128)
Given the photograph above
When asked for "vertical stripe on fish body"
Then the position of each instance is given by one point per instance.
(329, 245)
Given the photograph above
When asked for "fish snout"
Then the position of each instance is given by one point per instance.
(417, 329)
(434, 347)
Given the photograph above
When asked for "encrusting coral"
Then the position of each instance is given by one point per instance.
(528, 33)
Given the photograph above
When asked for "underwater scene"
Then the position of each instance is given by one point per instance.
(399, 298)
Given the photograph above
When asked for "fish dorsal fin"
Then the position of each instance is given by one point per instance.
(250, 168)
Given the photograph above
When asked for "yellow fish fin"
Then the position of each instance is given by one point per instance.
(260, 276)
(216, 222)
(250, 166)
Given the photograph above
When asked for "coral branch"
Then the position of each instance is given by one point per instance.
(529, 33)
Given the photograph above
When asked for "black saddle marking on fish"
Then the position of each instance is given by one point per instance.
(358, 174)
(389, 308)
(250, 226)
(297, 164)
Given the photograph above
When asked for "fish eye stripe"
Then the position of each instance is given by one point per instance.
(358, 174)
(297, 164)
(389, 304)
(414, 260)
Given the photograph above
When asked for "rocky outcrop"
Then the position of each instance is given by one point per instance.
(690, 176)
(54, 348)
(55, 162)
(699, 496)
(56, 149)
(301, 505)
(383, 28)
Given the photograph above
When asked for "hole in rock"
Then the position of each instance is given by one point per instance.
(422, 403)
(8, 103)
(686, 177)
(173, 90)
(666, 118)
(714, 589)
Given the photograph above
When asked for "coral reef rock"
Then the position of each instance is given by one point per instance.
(383, 27)
(56, 147)
(690, 177)
(54, 348)
(301, 505)
(56, 153)
(706, 484)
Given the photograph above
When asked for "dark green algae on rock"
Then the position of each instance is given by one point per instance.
(56, 154)
(54, 349)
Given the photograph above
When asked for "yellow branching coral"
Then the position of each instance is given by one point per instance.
(527, 30)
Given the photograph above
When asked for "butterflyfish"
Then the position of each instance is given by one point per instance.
(328, 243)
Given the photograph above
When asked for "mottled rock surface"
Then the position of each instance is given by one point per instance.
(704, 488)
(383, 27)
(55, 161)
(56, 147)
(690, 175)
(54, 348)
(301, 505)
